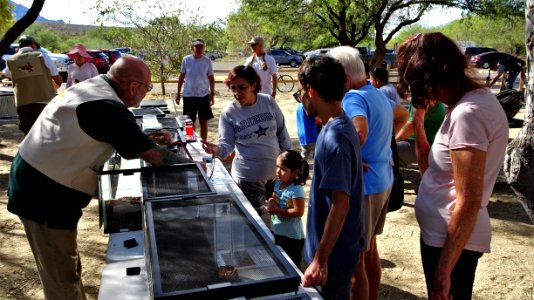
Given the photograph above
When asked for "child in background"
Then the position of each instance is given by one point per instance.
(287, 204)
(307, 133)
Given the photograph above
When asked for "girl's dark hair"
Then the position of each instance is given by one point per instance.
(292, 160)
(428, 60)
(246, 72)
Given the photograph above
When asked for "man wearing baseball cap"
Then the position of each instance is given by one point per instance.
(264, 65)
(199, 89)
(33, 74)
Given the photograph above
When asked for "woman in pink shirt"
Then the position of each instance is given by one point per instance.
(460, 169)
(81, 69)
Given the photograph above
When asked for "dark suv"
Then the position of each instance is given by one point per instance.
(100, 60)
(472, 51)
(113, 55)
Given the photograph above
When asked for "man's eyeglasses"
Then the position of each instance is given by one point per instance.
(149, 86)
(296, 95)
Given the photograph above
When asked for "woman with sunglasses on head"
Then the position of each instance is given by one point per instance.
(460, 169)
(264, 64)
(254, 126)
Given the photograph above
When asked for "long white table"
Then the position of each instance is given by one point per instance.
(115, 284)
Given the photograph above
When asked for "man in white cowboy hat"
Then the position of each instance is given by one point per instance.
(81, 69)
(199, 89)
(33, 74)
(264, 64)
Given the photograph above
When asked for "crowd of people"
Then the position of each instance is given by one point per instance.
(454, 130)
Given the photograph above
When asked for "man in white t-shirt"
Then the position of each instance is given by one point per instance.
(199, 89)
(264, 65)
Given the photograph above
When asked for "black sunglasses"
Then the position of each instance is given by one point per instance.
(296, 95)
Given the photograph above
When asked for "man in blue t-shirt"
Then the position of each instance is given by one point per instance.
(373, 116)
(335, 226)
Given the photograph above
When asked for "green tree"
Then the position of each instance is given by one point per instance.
(162, 39)
(6, 17)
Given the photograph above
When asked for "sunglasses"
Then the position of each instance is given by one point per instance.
(296, 95)
(239, 88)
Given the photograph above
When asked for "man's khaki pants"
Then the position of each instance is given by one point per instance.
(58, 262)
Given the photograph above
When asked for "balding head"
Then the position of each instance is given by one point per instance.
(126, 70)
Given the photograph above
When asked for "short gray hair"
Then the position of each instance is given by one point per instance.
(351, 61)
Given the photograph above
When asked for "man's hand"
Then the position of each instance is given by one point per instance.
(177, 100)
(162, 137)
(273, 94)
(316, 274)
(212, 99)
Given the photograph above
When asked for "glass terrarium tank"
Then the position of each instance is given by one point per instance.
(120, 197)
(124, 186)
(210, 247)
(177, 180)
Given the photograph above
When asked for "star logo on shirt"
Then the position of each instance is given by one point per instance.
(261, 131)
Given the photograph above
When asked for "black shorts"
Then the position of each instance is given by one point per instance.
(200, 105)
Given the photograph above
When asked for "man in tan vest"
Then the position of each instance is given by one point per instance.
(35, 77)
(54, 174)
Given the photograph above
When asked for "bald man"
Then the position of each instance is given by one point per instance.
(54, 174)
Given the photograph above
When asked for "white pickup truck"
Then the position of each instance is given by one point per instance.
(61, 61)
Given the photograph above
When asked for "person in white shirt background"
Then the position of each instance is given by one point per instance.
(81, 69)
(264, 65)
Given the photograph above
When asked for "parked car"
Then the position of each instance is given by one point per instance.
(125, 50)
(282, 57)
(12, 49)
(213, 55)
(491, 59)
(100, 60)
(113, 55)
(61, 61)
(313, 53)
(290, 51)
(471, 51)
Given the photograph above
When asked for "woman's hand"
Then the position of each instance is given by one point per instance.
(210, 148)
(441, 288)
(162, 137)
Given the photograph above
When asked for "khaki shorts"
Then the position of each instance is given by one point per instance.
(376, 208)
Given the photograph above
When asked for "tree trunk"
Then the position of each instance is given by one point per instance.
(380, 52)
(162, 77)
(21, 25)
(519, 159)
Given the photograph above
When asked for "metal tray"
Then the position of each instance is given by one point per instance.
(188, 240)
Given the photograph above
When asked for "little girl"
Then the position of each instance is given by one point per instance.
(287, 203)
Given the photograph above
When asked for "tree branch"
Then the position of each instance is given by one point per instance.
(18, 28)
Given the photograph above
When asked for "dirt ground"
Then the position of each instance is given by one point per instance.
(506, 273)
